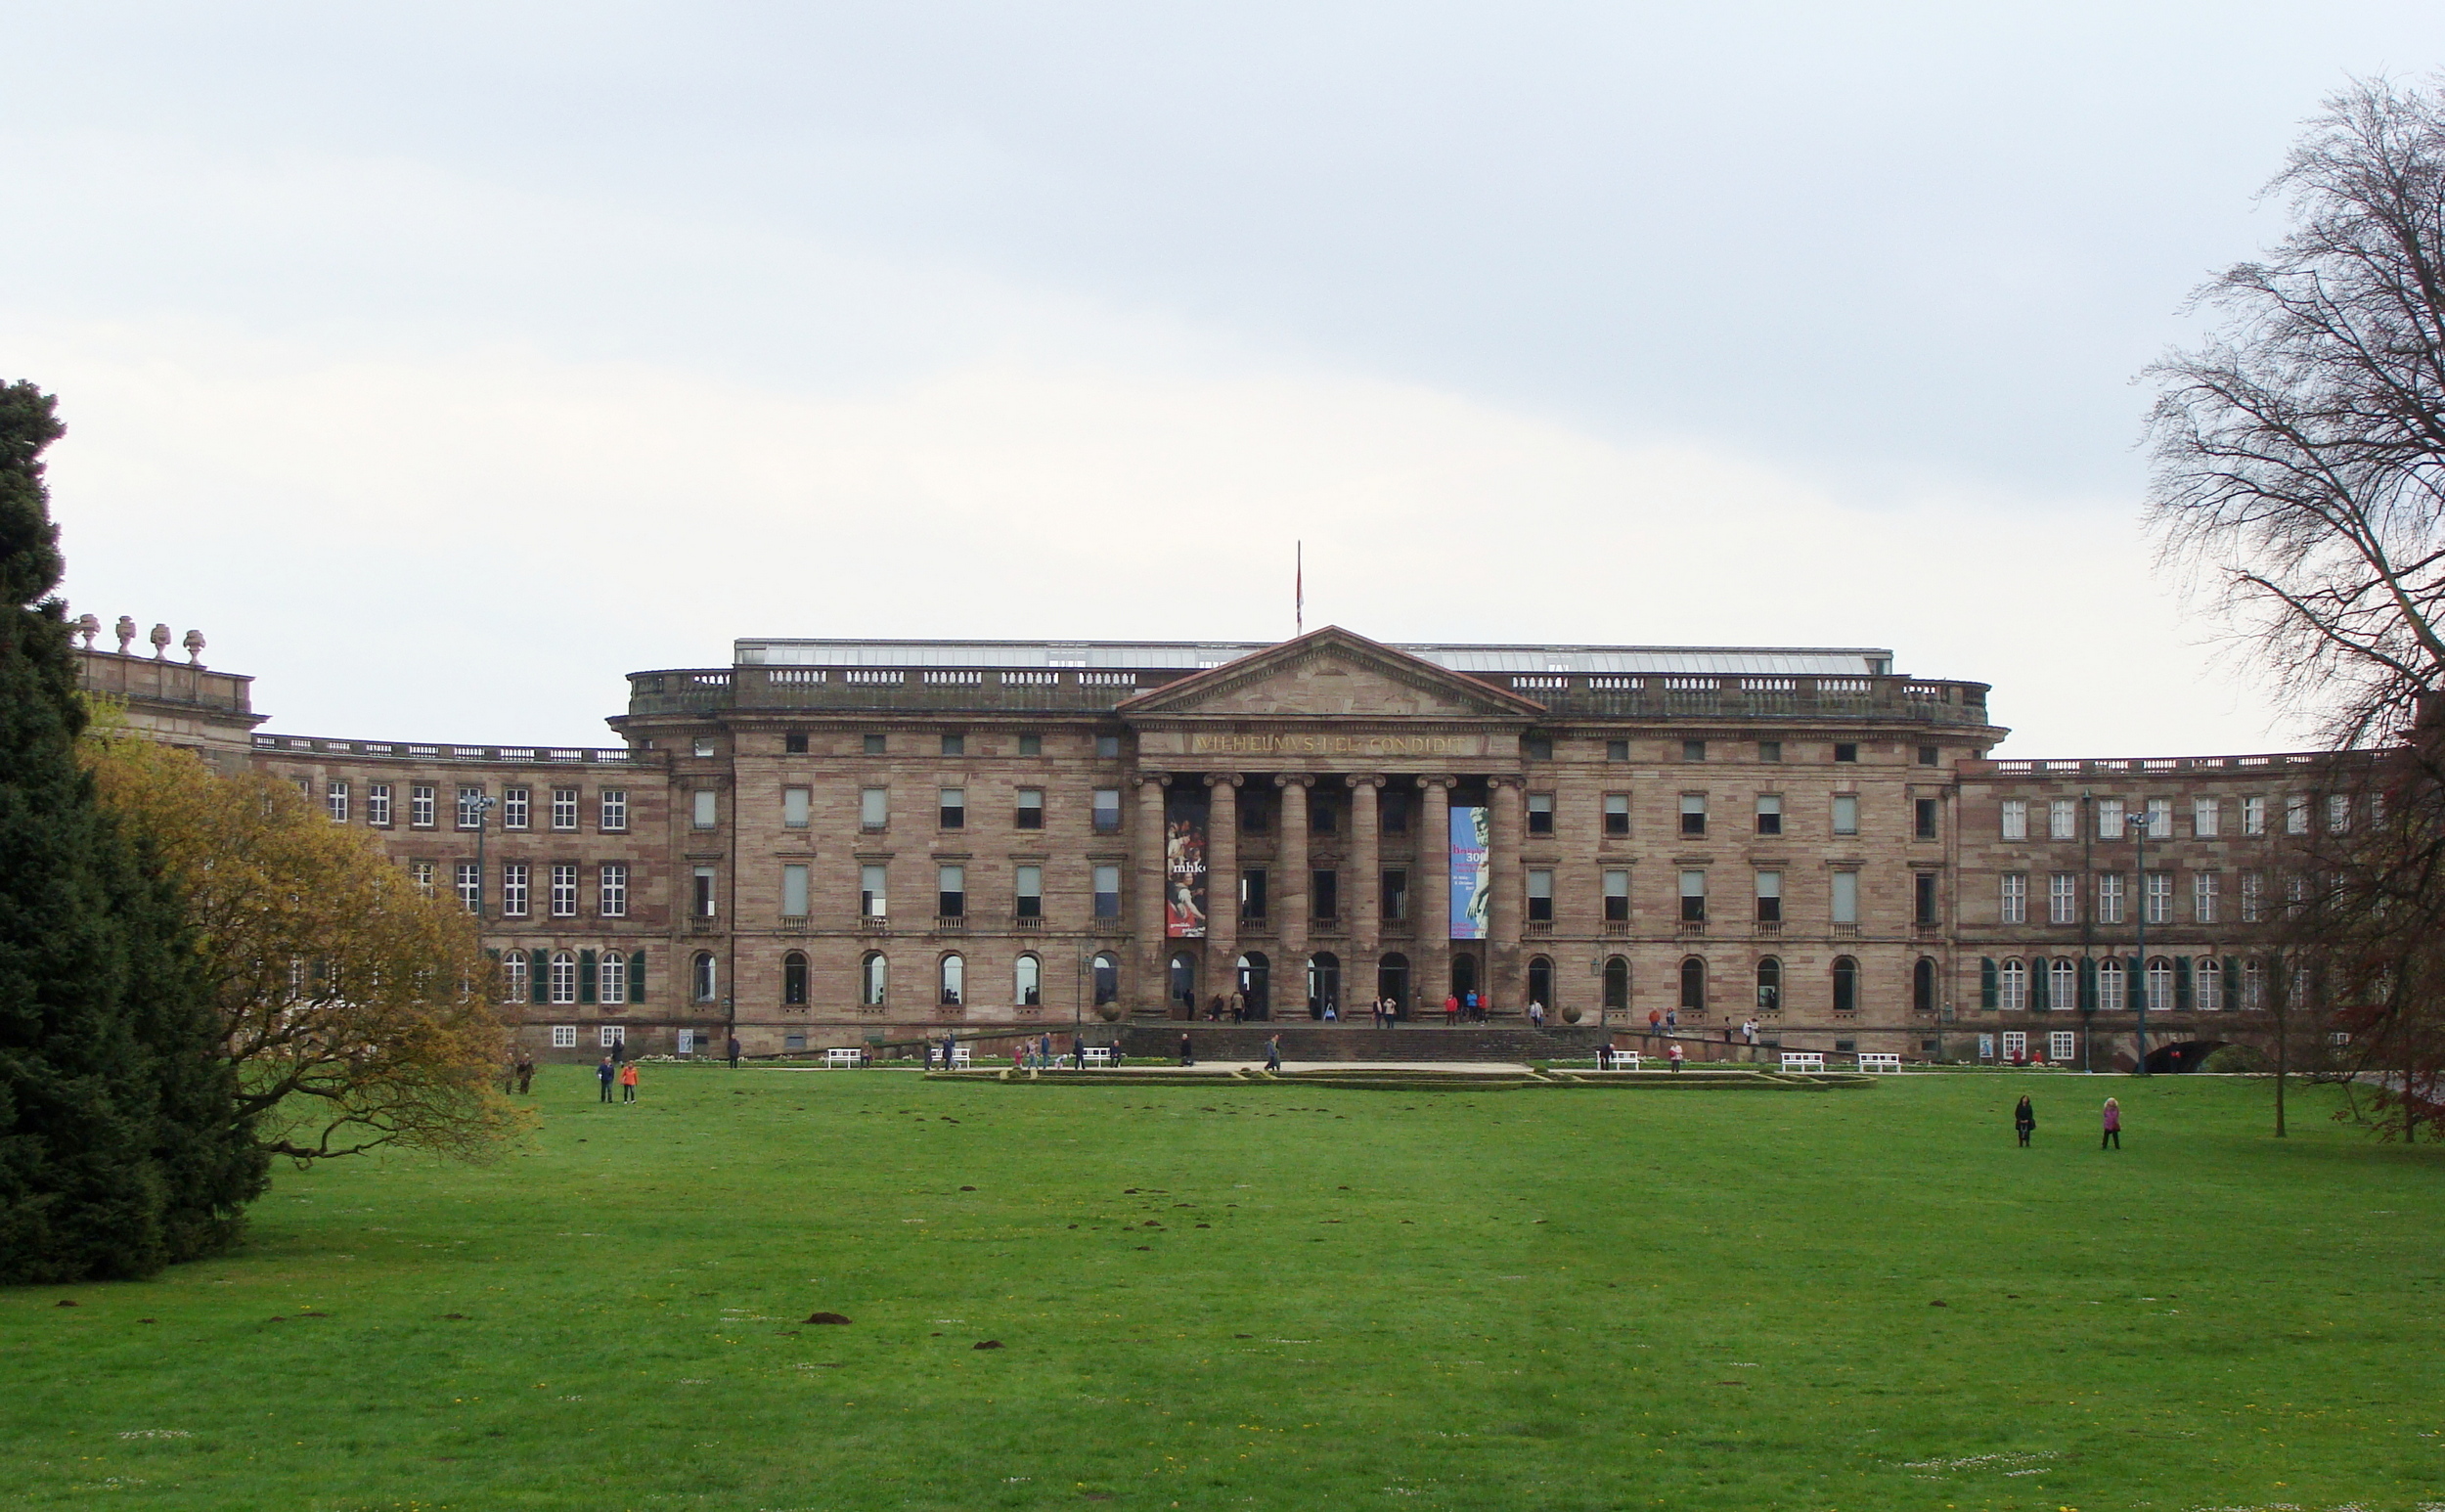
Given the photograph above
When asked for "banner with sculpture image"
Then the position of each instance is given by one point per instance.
(1184, 864)
(1472, 879)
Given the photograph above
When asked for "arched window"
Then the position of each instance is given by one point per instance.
(1922, 985)
(701, 975)
(1027, 980)
(563, 977)
(2254, 984)
(1108, 971)
(1769, 986)
(2012, 984)
(873, 979)
(612, 977)
(1617, 981)
(794, 979)
(2209, 973)
(2113, 995)
(1846, 985)
(514, 977)
(2063, 983)
(1693, 985)
(2159, 985)
(954, 981)
(1540, 980)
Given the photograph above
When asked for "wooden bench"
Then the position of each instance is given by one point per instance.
(842, 1056)
(1802, 1060)
(1099, 1055)
(1870, 1061)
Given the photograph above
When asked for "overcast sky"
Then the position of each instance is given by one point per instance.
(443, 363)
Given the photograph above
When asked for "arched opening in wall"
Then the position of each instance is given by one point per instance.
(1618, 984)
(795, 980)
(1107, 974)
(873, 979)
(2189, 1055)
(1693, 985)
(1324, 984)
(1769, 985)
(1846, 985)
(953, 976)
(1181, 984)
(702, 976)
(1463, 976)
(1922, 985)
(1027, 982)
(1252, 977)
(1392, 981)
(1541, 981)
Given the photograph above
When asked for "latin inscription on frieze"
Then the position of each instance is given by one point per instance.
(1328, 744)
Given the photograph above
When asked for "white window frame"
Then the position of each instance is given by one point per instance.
(564, 809)
(614, 1035)
(514, 981)
(2160, 811)
(2253, 897)
(517, 808)
(2061, 1044)
(873, 808)
(563, 889)
(611, 889)
(1769, 819)
(2207, 985)
(2157, 895)
(565, 1037)
(611, 811)
(2016, 1044)
(2013, 902)
(422, 800)
(2109, 823)
(2296, 813)
(2253, 816)
(2062, 898)
(2339, 812)
(873, 979)
(2062, 819)
(2016, 819)
(2012, 986)
(560, 978)
(2110, 897)
(2207, 819)
(335, 801)
(2205, 887)
(377, 805)
(611, 978)
(516, 894)
(468, 880)
(2063, 983)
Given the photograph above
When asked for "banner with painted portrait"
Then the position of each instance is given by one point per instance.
(1472, 879)
(1184, 864)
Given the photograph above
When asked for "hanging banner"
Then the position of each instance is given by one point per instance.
(1184, 865)
(1472, 879)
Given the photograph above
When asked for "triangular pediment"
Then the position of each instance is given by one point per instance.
(1331, 673)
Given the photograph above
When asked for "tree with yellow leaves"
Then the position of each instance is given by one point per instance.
(358, 1011)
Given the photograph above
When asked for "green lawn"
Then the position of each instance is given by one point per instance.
(1221, 1297)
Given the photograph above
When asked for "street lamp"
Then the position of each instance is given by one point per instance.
(482, 804)
(2137, 823)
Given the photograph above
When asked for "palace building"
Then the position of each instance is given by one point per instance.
(831, 842)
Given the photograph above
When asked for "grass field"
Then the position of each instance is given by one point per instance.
(1275, 1297)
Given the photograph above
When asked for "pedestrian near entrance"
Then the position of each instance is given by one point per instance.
(2024, 1121)
(628, 1081)
(604, 1074)
(734, 1050)
(1273, 1054)
(1188, 1056)
(1451, 1012)
(1468, 1006)
(1674, 1055)
(2113, 1126)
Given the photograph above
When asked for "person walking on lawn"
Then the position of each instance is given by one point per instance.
(604, 1074)
(2024, 1120)
(2113, 1126)
(1675, 1056)
(1273, 1054)
(628, 1081)
(526, 1072)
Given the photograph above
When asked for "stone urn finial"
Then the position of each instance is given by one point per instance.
(88, 627)
(194, 647)
(127, 632)
(160, 639)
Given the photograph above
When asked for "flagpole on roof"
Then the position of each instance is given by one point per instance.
(1299, 588)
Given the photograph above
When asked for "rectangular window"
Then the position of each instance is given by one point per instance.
(565, 1037)
(1770, 814)
(1538, 747)
(1616, 814)
(1845, 813)
(336, 800)
(1930, 756)
(1107, 747)
(513, 889)
(1693, 896)
(517, 807)
(2204, 886)
(611, 889)
(1769, 750)
(2253, 816)
(1923, 818)
(1107, 810)
(955, 808)
(377, 804)
(1693, 750)
(795, 806)
(1108, 892)
(2016, 1044)
(2015, 901)
(1617, 897)
(1845, 750)
(613, 813)
(2060, 1046)
(420, 805)
(704, 745)
(304, 786)
(1031, 744)
(1922, 898)
(2110, 826)
(794, 891)
(470, 886)
(612, 1034)
(611, 979)
(1396, 896)
(706, 809)
(2110, 898)
(1769, 897)
(1693, 814)
(2253, 898)
(2159, 896)
(471, 807)
(1617, 750)
(1540, 896)
(955, 745)
(2062, 898)
(2063, 821)
(951, 892)
(513, 980)
(563, 894)
(2296, 814)
(2205, 816)
(870, 903)
(2014, 993)
(1030, 813)
(793, 744)
(2338, 813)
(1540, 813)
(704, 899)
(873, 808)
(874, 745)
(2016, 819)
(1846, 897)
(564, 808)
(1324, 896)
(1026, 885)
(420, 872)
(2161, 819)
(1252, 898)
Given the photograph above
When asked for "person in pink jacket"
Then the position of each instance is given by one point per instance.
(2113, 1126)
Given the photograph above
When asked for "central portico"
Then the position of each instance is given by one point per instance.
(1295, 832)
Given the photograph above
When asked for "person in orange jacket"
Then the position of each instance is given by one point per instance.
(628, 1081)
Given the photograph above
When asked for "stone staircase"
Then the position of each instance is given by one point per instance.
(1355, 1043)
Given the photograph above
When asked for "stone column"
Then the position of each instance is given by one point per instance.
(1430, 899)
(1146, 855)
(1290, 898)
(1505, 971)
(1221, 885)
(1363, 892)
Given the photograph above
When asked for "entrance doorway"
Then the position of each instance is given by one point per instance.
(1392, 980)
(1540, 982)
(1254, 982)
(1324, 984)
(1463, 981)
(1182, 986)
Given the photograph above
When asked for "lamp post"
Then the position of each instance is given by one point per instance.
(483, 805)
(2138, 826)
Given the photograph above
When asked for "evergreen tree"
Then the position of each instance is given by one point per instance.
(121, 1146)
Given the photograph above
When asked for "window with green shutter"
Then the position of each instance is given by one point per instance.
(584, 976)
(2088, 984)
(539, 976)
(2134, 984)
(637, 976)
(1987, 982)
(2182, 982)
(2232, 984)
(2040, 995)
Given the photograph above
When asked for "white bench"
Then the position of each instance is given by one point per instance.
(1621, 1060)
(1870, 1061)
(1802, 1060)
(843, 1056)
(1099, 1055)
(960, 1057)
